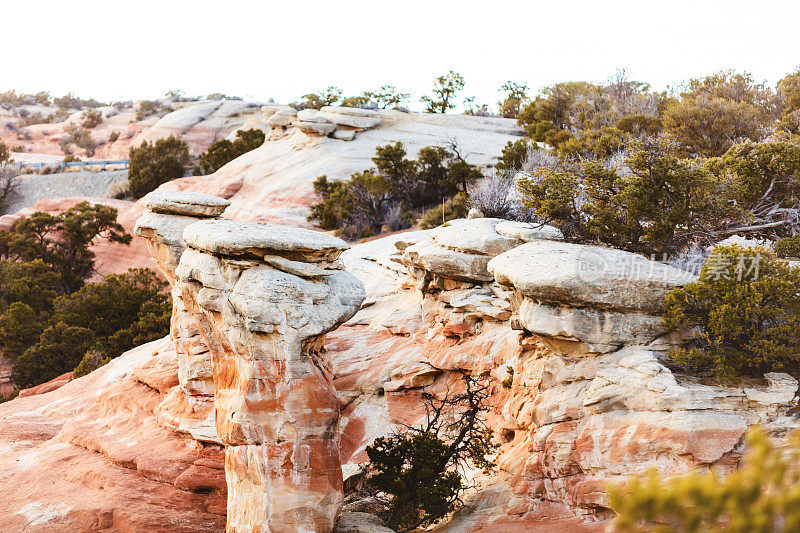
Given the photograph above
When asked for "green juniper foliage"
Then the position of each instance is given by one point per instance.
(394, 191)
(743, 315)
(152, 164)
(422, 469)
(223, 151)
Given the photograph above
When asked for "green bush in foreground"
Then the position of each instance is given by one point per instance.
(743, 315)
(762, 496)
(788, 246)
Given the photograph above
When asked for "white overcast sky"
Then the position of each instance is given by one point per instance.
(260, 49)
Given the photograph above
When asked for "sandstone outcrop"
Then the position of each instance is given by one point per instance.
(353, 117)
(167, 214)
(264, 297)
(601, 297)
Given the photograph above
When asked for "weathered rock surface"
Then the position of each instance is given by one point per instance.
(163, 224)
(185, 203)
(277, 411)
(355, 522)
(587, 276)
(352, 117)
(98, 454)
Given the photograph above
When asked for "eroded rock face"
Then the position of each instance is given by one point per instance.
(167, 214)
(264, 297)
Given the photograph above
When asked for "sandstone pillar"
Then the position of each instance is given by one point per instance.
(263, 298)
(167, 214)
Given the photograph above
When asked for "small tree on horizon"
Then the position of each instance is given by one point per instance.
(445, 89)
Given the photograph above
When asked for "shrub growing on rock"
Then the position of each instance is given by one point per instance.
(329, 96)
(224, 151)
(762, 495)
(388, 195)
(152, 164)
(743, 315)
(455, 207)
(420, 470)
(91, 118)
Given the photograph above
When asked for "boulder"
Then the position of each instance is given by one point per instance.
(314, 128)
(477, 236)
(527, 231)
(344, 135)
(192, 204)
(356, 522)
(275, 109)
(353, 117)
(282, 118)
(311, 115)
(448, 263)
(233, 238)
(587, 276)
(601, 330)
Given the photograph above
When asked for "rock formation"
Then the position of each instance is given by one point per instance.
(339, 122)
(167, 214)
(591, 398)
(263, 298)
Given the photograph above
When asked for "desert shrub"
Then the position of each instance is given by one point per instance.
(5, 153)
(389, 194)
(515, 97)
(361, 101)
(455, 207)
(113, 137)
(20, 328)
(152, 164)
(386, 97)
(595, 144)
(639, 125)
(91, 118)
(121, 310)
(119, 189)
(513, 156)
(788, 246)
(420, 470)
(329, 96)
(223, 151)
(445, 89)
(147, 108)
(743, 315)
(720, 110)
(648, 198)
(9, 185)
(83, 139)
(762, 495)
(71, 101)
(91, 361)
(33, 283)
(59, 349)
